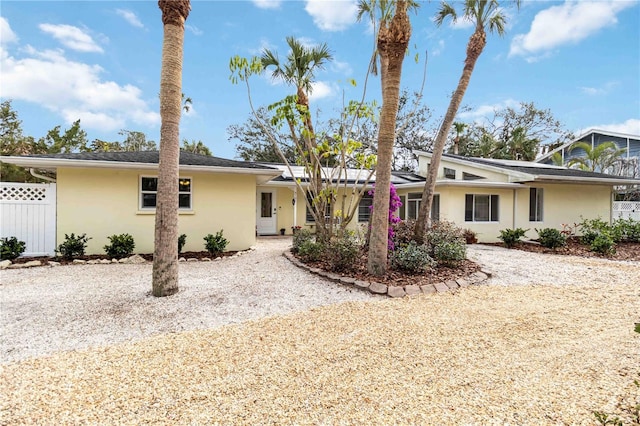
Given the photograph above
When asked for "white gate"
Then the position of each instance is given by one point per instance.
(28, 212)
(626, 210)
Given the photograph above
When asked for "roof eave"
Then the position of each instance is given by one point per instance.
(583, 179)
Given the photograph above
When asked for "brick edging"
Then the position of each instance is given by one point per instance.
(374, 287)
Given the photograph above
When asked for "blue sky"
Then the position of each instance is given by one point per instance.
(99, 61)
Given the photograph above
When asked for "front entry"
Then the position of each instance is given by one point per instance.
(266, 214)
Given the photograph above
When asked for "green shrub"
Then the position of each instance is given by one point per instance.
(588, 237)
(551, 238)
(215, 244)
(182, 240)
(450, 253)
(300, 238)
(11, 248)
(603, 244)
(311, 251)
(412, 258)
(628, 229)
(343, 252)
(73, 246)
(511, 237)
(121, 246)
(403, 232)
(441, 232)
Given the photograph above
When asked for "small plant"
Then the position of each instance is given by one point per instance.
(588, 237)
(412, 258)
(121, 246)
(606, 419)
(11, 248)
(182, 240)
(443, 233)
(511, 237)
(603, 244)
(73, 246)
(343, 252)
(215, 244)
(300, 238)
(628, 229)
(311, 251)
(470, 236)
(551, 238)
(450, 253)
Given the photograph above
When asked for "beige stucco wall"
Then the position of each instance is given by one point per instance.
(103, 202)
(564, 204)
(490, 175)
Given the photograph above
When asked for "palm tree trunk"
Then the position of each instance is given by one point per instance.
(165, 255)
(392, 46)
(476, 44)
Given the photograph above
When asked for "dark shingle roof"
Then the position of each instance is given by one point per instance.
(152, 157)
(535, 169)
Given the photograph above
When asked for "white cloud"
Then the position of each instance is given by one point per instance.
(130, 17)
(631, 126)
(568, 23)
(486, 111)
(438, 50)
(73, 90)
(334, 15)
(72, 37)
(267, 4)
(195, 30)
(462, 23)
(6, 34)
(341, 67)
(320, 90)
(603, 90)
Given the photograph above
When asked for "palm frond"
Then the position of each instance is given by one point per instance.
(445, 11)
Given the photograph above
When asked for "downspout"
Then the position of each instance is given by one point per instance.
(39, 176)
(515, 210)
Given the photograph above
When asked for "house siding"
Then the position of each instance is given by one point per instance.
(104, 202)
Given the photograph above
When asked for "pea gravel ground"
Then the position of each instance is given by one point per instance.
(549, 340)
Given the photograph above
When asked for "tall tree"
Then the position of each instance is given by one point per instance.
(136, 141)
(73, 139)
(596, 159)
(392, 41)
(299, 71)
(197, 147)
(165, 255)
(14, 142)
(459, 129)
(485, 14)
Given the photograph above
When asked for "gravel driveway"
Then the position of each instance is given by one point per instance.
(45, 310)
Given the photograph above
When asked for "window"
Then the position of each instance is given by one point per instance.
(470, 176)
(535, 204)
(481, 208)
(449, 173)
(364, 208)
(149, 192)
(411, 206)
(309, 215)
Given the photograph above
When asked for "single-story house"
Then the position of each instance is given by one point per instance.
(106, 193)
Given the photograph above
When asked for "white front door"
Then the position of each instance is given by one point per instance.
(266, 220)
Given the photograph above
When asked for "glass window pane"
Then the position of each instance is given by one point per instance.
(265, 204)
(481, 208)
(148, 200)
(435, 207)
(149, 184)
(184, 185)
(364, 208)
(495, 208)
(539, 204)
(468, 207)
(532, 204)
(185, 201)
(412, 209)
(403, 208)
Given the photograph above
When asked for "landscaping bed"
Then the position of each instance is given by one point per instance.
(623, 250)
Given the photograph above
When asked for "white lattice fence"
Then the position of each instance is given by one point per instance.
(626, 210)
(28, 212)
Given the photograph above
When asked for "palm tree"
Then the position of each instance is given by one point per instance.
(197, 147)
(392, 41)
(521, 147)
(299, 71)
(165, 255)
(556, 159)
(459, 128)
(596, 159)
(484, 14)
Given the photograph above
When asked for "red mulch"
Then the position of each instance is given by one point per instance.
(624, 251)
(399, 278)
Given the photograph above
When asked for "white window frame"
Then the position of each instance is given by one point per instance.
(415, 202)
(538, 208)
(150, 209)
(473, 209)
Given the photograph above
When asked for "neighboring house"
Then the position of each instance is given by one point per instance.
(629, 164)
(108, 193)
